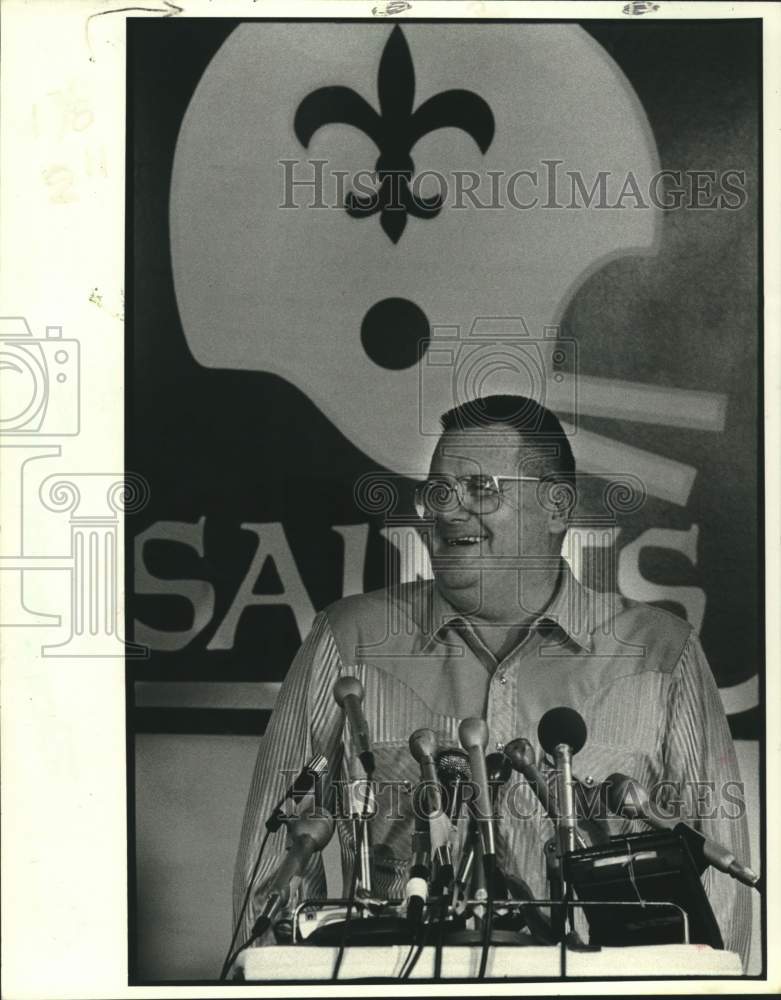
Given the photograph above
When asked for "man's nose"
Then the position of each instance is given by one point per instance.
(455, 510)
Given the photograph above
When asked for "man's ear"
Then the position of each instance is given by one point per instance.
(558, 520)
(561, 500)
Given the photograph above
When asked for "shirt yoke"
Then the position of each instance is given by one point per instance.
(399, 621)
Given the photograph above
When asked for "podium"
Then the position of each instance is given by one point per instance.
(309, 962)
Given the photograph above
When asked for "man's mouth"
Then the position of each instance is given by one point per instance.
(464, 540)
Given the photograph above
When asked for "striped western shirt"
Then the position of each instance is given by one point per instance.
(636, 674)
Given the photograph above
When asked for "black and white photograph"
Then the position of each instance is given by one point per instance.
(424, 605)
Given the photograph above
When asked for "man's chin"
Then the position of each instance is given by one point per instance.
(456, 578)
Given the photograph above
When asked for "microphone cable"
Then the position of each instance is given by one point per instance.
(416, 948)
(440, 941)
(348, 916)
(489, 862)
(276, 819)
(415, 951)
(413, 955)
(231, 955)
(353, 885)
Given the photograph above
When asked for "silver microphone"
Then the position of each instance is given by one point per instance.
(423, 746)
(627, 797)
(473, 734)
(348, 693)
(309, 834)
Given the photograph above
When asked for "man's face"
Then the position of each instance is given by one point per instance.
(477, 556)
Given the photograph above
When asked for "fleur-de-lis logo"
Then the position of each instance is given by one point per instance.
(394, 131)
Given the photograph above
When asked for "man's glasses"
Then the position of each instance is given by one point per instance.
(477, 494)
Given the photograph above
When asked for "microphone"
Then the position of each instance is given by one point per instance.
(628, 798)
(453, 770)
(498, 769)
(309, 834)
(423, 747)
(473, 734)
(348, 693)
(522, 758)
(416, 889)
(562, 733)
(562, 726)
(307, 776)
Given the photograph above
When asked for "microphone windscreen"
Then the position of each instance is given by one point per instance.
(453, 771)
(346, 686)
(453, 765)
(625, 796)
(521, 754)
(561, 725)
(499, 768)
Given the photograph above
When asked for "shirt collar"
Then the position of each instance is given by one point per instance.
(574, 608)
(570, 609)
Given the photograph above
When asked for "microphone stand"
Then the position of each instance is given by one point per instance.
(361, 881)
(419, 875)
(567, 830)
(361, 812)
(464, 875)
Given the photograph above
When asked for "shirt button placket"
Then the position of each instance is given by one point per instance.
(499, 714)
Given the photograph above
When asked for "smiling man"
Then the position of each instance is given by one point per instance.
(498, 498)
(504, 632)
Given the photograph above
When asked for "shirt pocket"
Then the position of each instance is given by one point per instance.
(592, 766)
(596, 761)
(396, 774)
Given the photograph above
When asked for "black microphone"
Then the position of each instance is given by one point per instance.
(562, 726)
(562, 733)
(473, 734)
(498, 769)
(522, 758)
(348, 692)
(628, 798)
(309, 834)
(307, 777)
(416, 889)
(423, 747)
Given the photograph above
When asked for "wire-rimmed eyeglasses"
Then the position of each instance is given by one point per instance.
(477, 494)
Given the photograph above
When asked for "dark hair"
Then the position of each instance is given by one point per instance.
(538, 428)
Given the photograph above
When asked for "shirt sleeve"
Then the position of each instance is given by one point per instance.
(701, 763)
(305, 721)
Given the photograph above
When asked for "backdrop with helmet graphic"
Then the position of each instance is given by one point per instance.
(566, 211)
